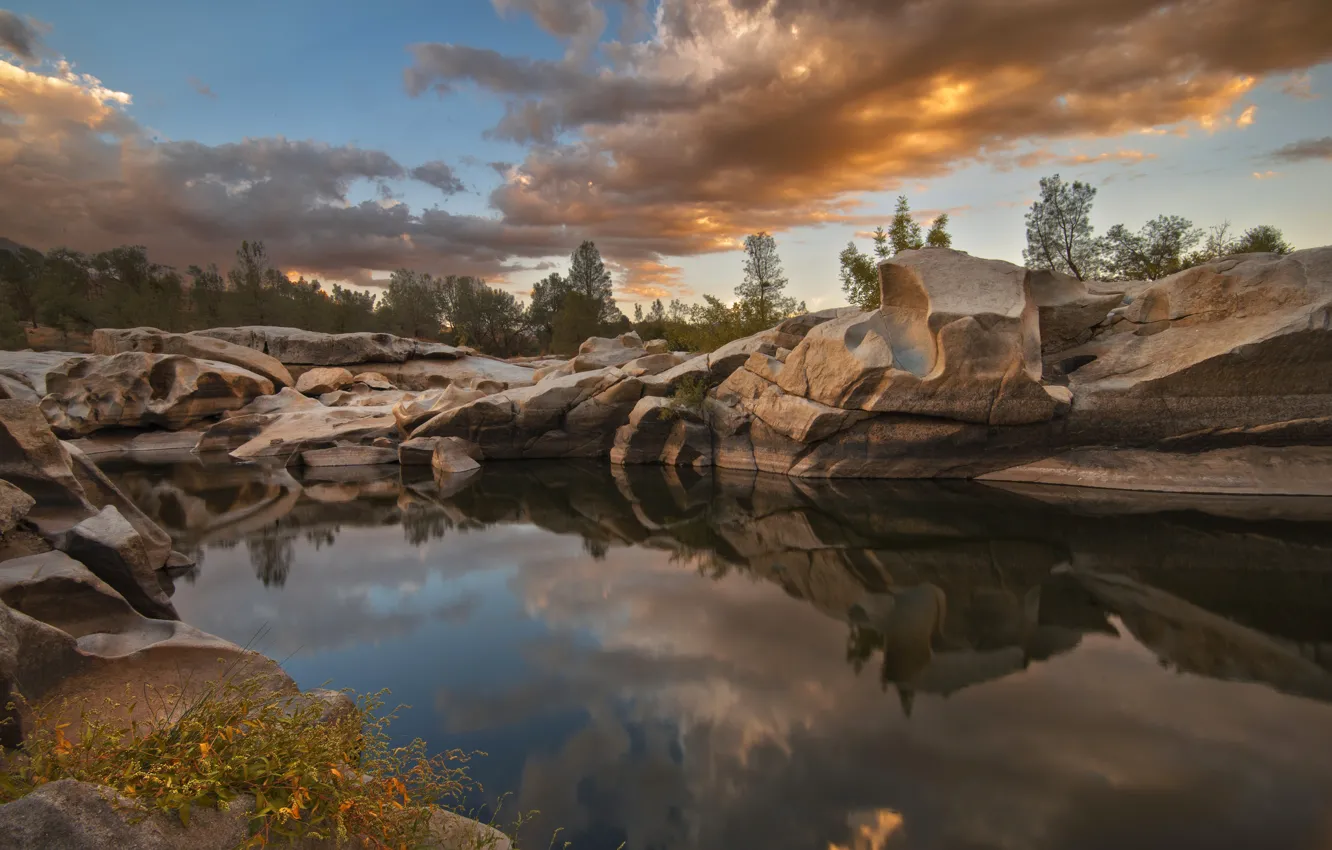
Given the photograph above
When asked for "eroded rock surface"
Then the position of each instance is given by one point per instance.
(110, 341)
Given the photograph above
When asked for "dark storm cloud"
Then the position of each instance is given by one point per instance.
(1304, 150)
(19, 36)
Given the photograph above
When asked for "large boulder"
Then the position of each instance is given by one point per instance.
(1232, 352)
(600, 352)
(85, 394)
(415, 411)
(153, 341)
(114, 552)
(32, 459)
(472, 372)
(660, 432)
(955, 337)
(286, 434)
(23, 373)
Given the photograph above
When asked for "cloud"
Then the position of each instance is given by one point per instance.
(736, 115)
(648, 280)
(20, 36)
(1245, 118)
(439, 175)
(96, 179)
(1304, 150)
(202, 88)
(1299, 86)
(1265, 175)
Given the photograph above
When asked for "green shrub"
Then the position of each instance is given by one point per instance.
(309, 778)
(689, 395)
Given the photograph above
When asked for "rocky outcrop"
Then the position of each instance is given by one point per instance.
(110, 341)
(85, 394)
(1071, 309)
(1234, 352)
(661, 432)
(293, 346)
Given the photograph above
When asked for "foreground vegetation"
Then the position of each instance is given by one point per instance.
(335, 778)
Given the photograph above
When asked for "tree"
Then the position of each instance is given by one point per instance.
(1262, 239)
(903, 231)
(483, 316)
(588, 276)
(547, 299)
(938, 237)
(860, 278)
(657, 313)
(131, 290)
(350, 310)
(1162, 247)
(412, 305)
(638, 314)
(1059, 231)
(207, 293)
(761, 290)
(20, 280)
(881, 249)
(249, 280)
(578, 319)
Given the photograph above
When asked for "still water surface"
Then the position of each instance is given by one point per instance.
(728, 661)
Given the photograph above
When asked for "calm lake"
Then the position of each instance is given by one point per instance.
(718, 662)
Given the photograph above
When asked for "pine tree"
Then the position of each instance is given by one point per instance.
(938, 237)
(903, 231)
(881, 249)
(761, 291)
(588, 276)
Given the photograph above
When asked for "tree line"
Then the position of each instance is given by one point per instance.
(1060, 238)
(77, 293)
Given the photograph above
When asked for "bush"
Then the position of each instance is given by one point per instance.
(309, 777)
(689, 395)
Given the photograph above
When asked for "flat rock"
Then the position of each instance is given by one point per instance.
(134, 389)
(373, 380)
(349, 456)
(283, 434)
(114, 552)
(420, 451)
(153, 341)
(322, 380)
(286, 400)
(311, 348)
(1258, 470)
(450, 457)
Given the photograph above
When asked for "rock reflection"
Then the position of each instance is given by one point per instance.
(940, 585)
(641, 703)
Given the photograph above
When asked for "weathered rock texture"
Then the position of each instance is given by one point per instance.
(110, 341)
(85, 394)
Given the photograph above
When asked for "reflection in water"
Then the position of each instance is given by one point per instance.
(676, 660)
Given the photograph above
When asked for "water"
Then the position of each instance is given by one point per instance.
(727, 661)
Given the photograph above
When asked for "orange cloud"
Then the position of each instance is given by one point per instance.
(648, 280)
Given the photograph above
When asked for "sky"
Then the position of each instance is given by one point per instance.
(490, 137)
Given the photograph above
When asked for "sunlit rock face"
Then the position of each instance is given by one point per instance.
(1238, 351)
(110, 341)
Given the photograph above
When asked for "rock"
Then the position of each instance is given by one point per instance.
(284, 434)
(88, 393)
(658, 432)
(349, 456)
(657, 346)
(286, 400)
(153, 341)
(32, 459)
(14, 506)
(311, 348)
(101, 493)
(114, 552)
(359, 395)
(23, 373)
(651, 364)
(468, 372)
(1069, 309)
(531, 421)
(1232, 352)
(555, 370)
(956, 337)
(420, 451)
(450, 457)
(373, 380)
(411, 413)
(601, 352)
(323, 380)
(1291, 470)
